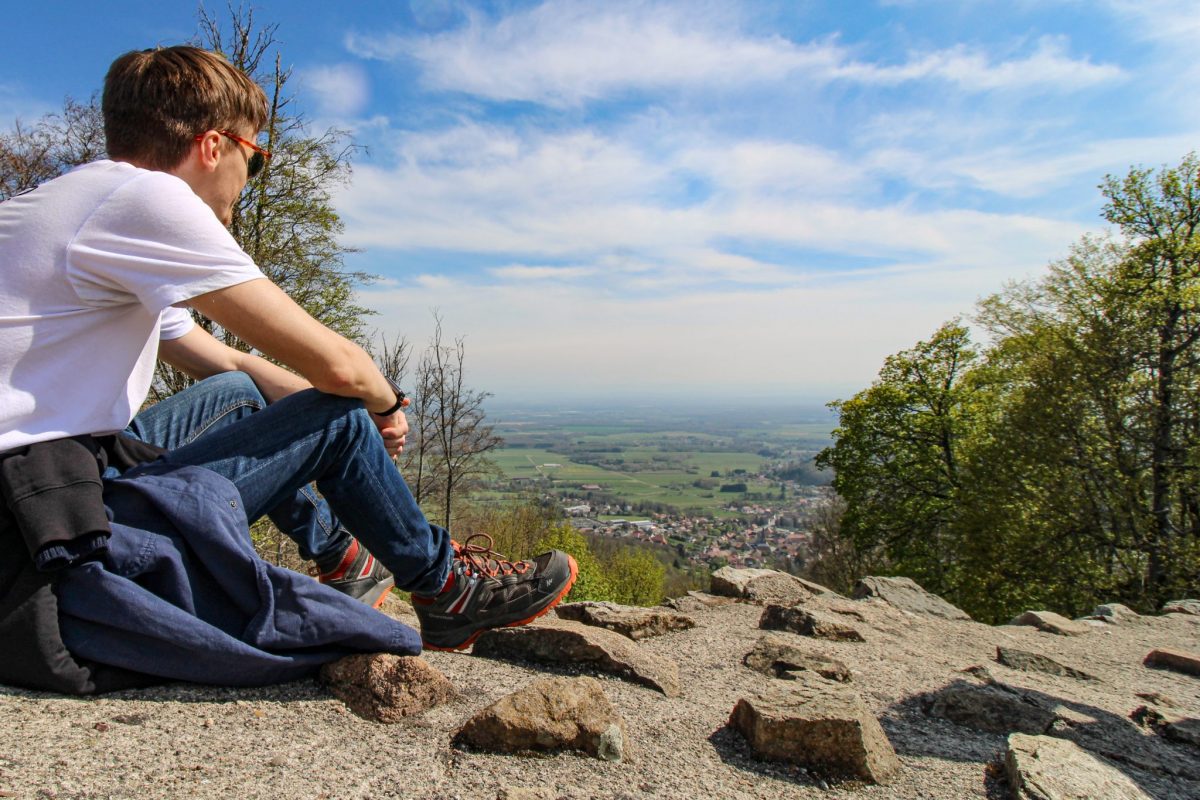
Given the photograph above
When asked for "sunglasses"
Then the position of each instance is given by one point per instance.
(257, 159)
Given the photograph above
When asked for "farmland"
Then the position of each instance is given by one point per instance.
(690, 463)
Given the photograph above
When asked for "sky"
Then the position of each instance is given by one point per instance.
(685, 200)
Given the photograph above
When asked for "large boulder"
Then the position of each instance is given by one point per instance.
(563, 642)
(907, 594)
(387, 688)
(831, 733)
(779, 657)
(548, 715)
(632, 621)
(1047, 768)
(1050, 622)
(765, 586)
(808, 623)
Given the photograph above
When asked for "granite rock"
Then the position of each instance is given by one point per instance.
(548, 715)
(1050, 622)
(1035, 662)
(387, 688)
(779, 657)
(808, 623)
(563, 642)
(907, 594)
(831, 733)
(632, 621)
(1047, 768)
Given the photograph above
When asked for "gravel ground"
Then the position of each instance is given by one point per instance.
(297, 741)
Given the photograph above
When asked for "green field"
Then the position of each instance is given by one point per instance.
(642, 456)
(646, 481)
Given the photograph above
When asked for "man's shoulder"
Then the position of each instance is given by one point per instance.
(116, 175)
(92, 184)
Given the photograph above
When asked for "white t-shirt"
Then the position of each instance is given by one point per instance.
(91, 264)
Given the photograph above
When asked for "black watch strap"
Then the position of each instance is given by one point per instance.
(401, 399)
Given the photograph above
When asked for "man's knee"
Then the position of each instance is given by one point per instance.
(237, 387)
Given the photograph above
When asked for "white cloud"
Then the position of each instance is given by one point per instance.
(580, 195)
(522, 272)
(569, 53)
(1048, 66)
(1175, 22)
(339, 90)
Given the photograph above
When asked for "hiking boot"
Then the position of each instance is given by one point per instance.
(358, 575)
(486, 591)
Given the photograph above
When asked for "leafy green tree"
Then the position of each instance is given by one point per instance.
(637, 577)
(1059, 467)
(1114, 416)
(592, 582)
(897, 458)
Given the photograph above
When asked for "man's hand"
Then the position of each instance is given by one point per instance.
(393, 429)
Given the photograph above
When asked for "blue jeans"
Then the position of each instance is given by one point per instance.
(272, 453)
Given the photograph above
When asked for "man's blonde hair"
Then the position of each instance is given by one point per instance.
(157, 101)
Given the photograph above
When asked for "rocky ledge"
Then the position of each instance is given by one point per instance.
(779, 689)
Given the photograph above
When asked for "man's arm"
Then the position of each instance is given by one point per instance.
(199, 355)
(262, 315)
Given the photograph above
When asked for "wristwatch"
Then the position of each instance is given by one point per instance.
(401, 399)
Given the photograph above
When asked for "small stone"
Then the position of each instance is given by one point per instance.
(1115, 613)
(1175, 660)
(1047, 768)
(829, 732)
(907, 594)
(778, 657)
(387, 688)
(563, 642)
(548, 715)
(1050, 622)
(1034, 662)
(131, 719)
(807, 623)
(978, 672)
(101, 726)
(632, 621)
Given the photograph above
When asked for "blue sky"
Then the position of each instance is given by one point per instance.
(680, 199)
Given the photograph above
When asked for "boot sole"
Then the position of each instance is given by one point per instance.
(470, 640)
(376, 597)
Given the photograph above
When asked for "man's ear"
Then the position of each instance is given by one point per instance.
(208, 151)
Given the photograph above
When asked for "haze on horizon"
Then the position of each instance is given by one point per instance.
(664, 200)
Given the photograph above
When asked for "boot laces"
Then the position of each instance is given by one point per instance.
(482, 559)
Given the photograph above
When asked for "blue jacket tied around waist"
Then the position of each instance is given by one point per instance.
(177, 592)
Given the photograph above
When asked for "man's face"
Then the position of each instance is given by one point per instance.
(231, 175)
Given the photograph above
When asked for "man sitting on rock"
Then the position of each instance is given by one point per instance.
(112, 559)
